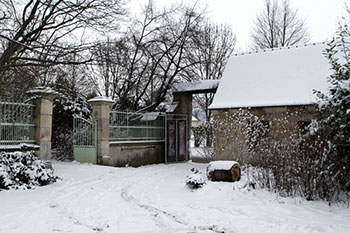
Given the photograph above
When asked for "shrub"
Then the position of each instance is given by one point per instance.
(195, 180)
(69, 103)
(199, 135)
(311, 163)
(238, 136)
(63, 148)
(23, 170)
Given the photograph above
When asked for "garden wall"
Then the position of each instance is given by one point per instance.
(134, 153)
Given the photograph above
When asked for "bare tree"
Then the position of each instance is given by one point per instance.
(36, 32)
(148, 58)
(212, 47)
(278, 26)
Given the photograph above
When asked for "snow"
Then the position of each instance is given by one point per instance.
(195, 181)
(194, 119)
(42, 90)
(23, 170)
(197, 86)
(132, 142)
(155, 198)
(101, 99)
(221, 165)
(19, 146)
(278, 77)
(171, 107)
(150, 116)
(200, 154)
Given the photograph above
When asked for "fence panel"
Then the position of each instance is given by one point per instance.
(131, 126)
(84, 132)
(16, 123)
(84, 140)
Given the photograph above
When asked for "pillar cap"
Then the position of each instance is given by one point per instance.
(100, 99)
(45, 92)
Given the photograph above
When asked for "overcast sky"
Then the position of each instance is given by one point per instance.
(321, 16)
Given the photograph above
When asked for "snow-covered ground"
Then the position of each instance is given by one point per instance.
(155, 199)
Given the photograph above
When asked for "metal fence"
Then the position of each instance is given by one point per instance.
(131, 126)
(84, 133)
(16, 123)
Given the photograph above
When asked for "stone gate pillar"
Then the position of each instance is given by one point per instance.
(100, 115)
(185, 107)
(43, 120)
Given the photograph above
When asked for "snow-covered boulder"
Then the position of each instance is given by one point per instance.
(224, 171)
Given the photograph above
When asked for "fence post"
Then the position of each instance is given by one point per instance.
(100, 114)
(43, 120)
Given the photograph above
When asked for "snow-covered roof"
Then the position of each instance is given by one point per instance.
(278, 77)
(197, 87)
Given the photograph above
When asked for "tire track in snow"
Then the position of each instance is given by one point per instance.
(130, 199)
(85, 188)
(59, 204)
(66, 208)
(157, 212)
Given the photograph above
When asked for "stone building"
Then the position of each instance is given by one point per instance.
(276, 85)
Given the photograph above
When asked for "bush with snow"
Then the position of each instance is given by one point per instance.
(334, 109)
(239, 135)
(66, 106)
(195, 180)
(23, 170)
(308, 163)
(335, 105)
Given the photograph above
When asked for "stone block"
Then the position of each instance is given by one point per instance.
(44, 106)
(43, 134)
(45, 151)
(44, 121)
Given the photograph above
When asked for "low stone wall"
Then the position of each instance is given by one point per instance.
(23, 147)
(134, 153)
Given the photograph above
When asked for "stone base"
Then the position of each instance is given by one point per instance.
(134, 154)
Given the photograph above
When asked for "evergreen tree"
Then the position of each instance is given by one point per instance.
(335, 106)
(72, 90)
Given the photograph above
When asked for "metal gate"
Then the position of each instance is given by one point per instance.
(84, 140)
(176, 148)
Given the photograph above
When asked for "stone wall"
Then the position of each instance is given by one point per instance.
(134, 153)
(282, 120)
